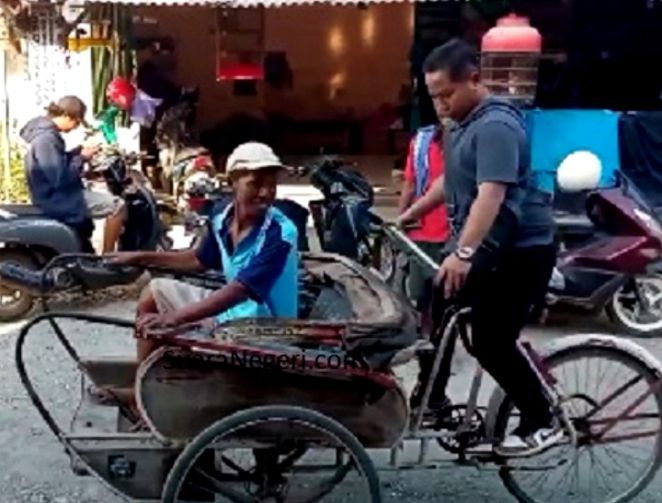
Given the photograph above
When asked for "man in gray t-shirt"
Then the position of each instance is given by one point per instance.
(501, 252)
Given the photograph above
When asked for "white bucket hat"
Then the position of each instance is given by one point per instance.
(252, 156)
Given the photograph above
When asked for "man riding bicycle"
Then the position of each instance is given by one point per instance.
(501, 252)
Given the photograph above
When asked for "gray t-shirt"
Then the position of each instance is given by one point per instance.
(491, 145)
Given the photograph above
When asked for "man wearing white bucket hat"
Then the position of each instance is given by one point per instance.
(250, 241)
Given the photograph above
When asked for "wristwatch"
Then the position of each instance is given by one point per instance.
(464, 253)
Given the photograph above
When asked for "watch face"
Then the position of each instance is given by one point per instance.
(465, 252)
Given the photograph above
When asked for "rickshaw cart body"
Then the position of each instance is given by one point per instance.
(352, 329)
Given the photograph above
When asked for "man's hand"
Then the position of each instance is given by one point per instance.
(452, 274)
(88, 151)
(153, 320)
(401, 221)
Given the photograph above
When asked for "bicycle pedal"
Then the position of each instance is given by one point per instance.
(481, 451)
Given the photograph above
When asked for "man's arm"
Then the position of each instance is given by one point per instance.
(253, 282)
(483, 213)
(52, 161)
(429, 202)
(409, 184)
(180, 260)
(407, 196)
(497, 166)
(205, 256)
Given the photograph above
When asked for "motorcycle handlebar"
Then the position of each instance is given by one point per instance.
(86, 271)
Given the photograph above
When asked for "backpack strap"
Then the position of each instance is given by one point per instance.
(424, 137)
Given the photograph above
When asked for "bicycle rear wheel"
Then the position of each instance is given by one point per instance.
(615, 403)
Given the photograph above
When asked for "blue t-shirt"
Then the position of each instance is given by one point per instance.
(491, 145)
(265, 262)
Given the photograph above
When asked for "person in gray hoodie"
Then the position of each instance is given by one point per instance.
(54, 175)
(501, 252)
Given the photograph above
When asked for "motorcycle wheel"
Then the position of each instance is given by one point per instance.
(625, 310)
(15, 304)
(379, 256)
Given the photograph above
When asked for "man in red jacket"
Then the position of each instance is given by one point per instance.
(425, 164)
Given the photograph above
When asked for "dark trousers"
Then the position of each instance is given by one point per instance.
(501, 295)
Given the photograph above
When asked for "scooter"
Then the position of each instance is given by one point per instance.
(609, 263)
(30, 239)
(179, 154)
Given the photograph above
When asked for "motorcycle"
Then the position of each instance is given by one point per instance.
(611, 262)
(30, 239)
(180, 155)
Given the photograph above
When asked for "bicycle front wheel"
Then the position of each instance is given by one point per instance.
(615, 403)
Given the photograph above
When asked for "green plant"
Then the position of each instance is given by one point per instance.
(14, 185)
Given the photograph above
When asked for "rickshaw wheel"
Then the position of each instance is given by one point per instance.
(195, 476)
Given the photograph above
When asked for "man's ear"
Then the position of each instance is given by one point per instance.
(474, 79)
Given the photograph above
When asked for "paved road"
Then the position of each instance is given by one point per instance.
(34, 468)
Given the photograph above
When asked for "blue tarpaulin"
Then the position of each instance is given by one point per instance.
(556, 133)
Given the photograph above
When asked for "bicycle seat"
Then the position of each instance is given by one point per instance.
(20, 210)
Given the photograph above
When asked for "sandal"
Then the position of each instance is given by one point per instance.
(106, 397)
(103, 396)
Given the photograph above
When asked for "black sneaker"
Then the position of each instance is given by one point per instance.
(436, 405)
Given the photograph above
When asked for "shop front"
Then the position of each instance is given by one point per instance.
(310, 78)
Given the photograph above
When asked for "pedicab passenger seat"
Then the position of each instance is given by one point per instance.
(345, 308)
(346, 311)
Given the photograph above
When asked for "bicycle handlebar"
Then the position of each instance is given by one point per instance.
(408, 246)
(404, 243)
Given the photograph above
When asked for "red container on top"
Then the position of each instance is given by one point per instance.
(512, 33)
(510, 57)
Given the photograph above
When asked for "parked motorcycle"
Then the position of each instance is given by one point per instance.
(180, 155)
(342, 217)
(30, 239)
(610, 265)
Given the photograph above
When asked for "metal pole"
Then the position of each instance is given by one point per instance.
(6, 160)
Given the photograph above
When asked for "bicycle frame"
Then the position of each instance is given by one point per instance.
(456, 326)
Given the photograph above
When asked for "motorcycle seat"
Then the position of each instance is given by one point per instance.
(565, 219)
(21, 210)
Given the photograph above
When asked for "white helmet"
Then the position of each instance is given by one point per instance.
(579, 171)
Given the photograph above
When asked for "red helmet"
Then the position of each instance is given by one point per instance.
(121, 93)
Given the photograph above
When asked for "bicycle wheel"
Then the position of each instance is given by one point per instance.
(251, 455)
(619, 431)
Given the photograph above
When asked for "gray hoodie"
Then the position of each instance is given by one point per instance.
(491, 145)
